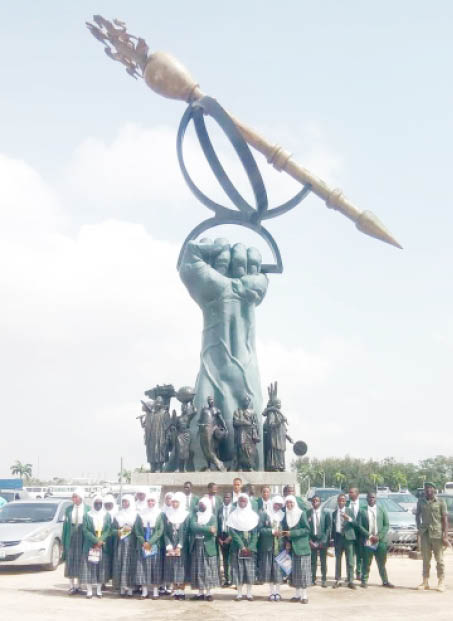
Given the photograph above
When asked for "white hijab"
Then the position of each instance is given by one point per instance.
(150, 516)
(77, 510)
(165, 508)
(142, 505)
(110, 499)
(127, 516)
(243, 518)
(203, 517)
(97, 515)
(293, 516)
(177, 516)
(276, 516)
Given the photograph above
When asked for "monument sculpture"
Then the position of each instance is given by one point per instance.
(181, 424)
(274, 433)
(156, 424)
(227, 281)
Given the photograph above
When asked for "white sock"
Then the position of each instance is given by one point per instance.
(155, 591)
(277, 589)
(249, 589)
(144, 591)
(271, 588)
(240, 588)
(200, 591)
(89, 589)
(99, 589)
(71, 583)
(208, 591)
(122, 590)
(304, 594)
(298, 593)
(129, 591)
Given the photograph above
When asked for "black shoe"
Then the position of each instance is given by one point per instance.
(351, 585)
(324, 584)
(199, 597)
(364, 585)
(295, 599)
(209, 598)
(337, 584)
(388, 585)
(304, 601)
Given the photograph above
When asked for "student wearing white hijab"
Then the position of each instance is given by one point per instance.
(243, 525)
(97, 526)
(204, 566)
(270, 544)
(124, 561)
(165, 589)
(176, 522)
(149, 528)
(296, 528)
(111, 508)
(140, 501)
(73, 539)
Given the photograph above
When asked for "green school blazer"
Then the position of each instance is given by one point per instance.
(210, 544)
(244, 539)
(89, 533)
(67, 528)
(156, 537)
(349, 527)
(266, 541)
(325, 528)
(299, 535)
(382, 519)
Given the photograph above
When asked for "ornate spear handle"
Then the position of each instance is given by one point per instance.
(167, 76)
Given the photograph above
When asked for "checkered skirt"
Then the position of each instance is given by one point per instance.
(243, 570)
(95, 573)
(268, 569)
(204, 569)
(174, 569)
(300, 576)
(124, 563)
(149, 569)
(74, 554)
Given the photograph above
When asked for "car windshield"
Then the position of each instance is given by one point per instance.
(448, 502)
(403, 498)
(27, 512)
(8, 496)
(389, 505)
(324, 494)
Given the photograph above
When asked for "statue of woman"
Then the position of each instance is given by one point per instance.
(247, 436)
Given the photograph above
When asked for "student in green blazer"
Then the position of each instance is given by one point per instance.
(320, 531)
(243, 525)
(214, 500)
(290, 490)
(73, 540)
(374, 527)
(269, 547)
(264, 501)
(224, 537)
(149, 529)
(354, 504)
(97, 528)
(204, 566)
(191, 499)
(344, 537)
(297, 530)
(176, 524)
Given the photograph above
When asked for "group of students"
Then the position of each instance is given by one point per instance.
(159, 550)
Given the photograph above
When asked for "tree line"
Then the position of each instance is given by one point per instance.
(365, 474)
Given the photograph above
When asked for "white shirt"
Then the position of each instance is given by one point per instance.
(235, 497)
(188, 500)
(372, 520)
(355, 506)
(339, 522)
(226, 510)
(316, 520)
(267, 505)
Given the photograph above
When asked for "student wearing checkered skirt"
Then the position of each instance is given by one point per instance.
(204, 566)
(176, 523)
(296, 528)
(124, 559)
(96, 562)
(270, 544)
(243, 525)
(73, 540)
(149, 528)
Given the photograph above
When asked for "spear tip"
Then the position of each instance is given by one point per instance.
(370, 224)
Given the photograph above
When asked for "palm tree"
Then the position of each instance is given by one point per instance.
(126, 474)
(376, 478)
(340, 478)
(25, 471)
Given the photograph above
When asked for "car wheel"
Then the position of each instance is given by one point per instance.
(55, 557)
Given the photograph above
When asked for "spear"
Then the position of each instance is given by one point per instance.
(167, 76)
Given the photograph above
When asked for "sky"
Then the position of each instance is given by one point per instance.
(93, 211)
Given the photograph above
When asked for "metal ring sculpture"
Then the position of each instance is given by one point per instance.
(246, 214)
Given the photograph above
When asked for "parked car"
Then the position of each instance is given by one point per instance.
(405, 499)
(449, 502)
(402, 530)
(31, 532)
(382, 490)
(14, 494)
(323, 492)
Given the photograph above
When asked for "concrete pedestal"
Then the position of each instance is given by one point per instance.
(174, 481)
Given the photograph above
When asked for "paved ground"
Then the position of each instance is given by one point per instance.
(41, 596)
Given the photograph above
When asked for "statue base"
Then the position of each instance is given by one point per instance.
(174, 481)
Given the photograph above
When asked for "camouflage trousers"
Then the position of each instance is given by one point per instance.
(428, 547)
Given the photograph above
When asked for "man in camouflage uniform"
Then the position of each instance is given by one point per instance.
(432, 524)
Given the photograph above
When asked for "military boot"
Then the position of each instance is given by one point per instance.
(441, 585)
(424, 586)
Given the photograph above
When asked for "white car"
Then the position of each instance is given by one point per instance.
(31, 532)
